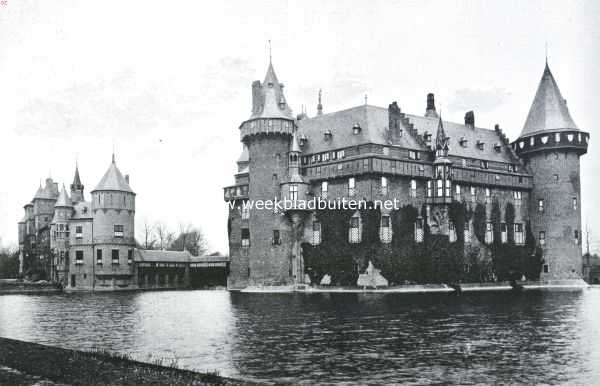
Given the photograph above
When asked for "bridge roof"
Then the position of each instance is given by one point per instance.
(146, 255)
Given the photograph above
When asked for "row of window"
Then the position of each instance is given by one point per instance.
(63, 231)
(385, 232)
(115, 257)
(542, 204)
(557, 138)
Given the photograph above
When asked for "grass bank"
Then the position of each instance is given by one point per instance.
(71, 367)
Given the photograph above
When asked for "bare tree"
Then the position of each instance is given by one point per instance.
(190, 239)
(147, 235)
(164, 237)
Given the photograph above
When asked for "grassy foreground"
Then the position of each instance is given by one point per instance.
(70, 367)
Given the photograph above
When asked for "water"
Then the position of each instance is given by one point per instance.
(536, 337)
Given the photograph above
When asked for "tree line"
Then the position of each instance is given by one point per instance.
(159, 236)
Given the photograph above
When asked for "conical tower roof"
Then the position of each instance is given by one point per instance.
(245, 156)
(549, 110)
(113, 180)
(295, 143)
(441, 141)
(63, 199)
(274, 104)
(76, 179)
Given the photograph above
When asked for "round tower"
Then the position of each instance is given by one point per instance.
(113, 214)
(267, 135)
(550, 146)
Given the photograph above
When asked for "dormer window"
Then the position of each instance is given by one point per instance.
(303, 140)
(484, 164)
(463, 142)
(480, 145)
(498, 147)
(356, 129)
(328, 134)
(427, 136)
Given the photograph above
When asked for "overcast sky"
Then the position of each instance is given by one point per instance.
(169, 84)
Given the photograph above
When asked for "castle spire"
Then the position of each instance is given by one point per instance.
(320, 105)
(549, 109)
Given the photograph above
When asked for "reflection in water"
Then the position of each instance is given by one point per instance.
(527, 338)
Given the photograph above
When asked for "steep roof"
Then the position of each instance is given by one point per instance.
(113, 180)
(549, 110)
(245, 156)
(273, 103)
(63, 199)
(45, 193)
(457, 131)
(373, 122)
(76, 179)
(82, 211)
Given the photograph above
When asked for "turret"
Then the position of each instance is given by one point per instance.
(77, 187)
(113, 215)
(261, 245)
(430, 110)
(59, 241)
(550, 146)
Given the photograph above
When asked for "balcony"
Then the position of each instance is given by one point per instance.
(235, 192)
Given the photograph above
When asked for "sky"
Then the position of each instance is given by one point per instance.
(168, 83)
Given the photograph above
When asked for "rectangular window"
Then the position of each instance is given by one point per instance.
(518, 196)
(340, 154)
(429, 188)
(129, 256)
(473, 192)
(576, 236)
(316, 233)
(78, 232)
(546, 269)
(245, 238)
(451, 232)
(519, 238)
(489, 233)
(574, 203)
(419, 230)
(78, 257)
(354, 230)
(384, 186)
(440, 188)
(467, 233)
(115, 257)
(293, 192)
(276, 240)
(484, 164)
(503, 233)
(541, 205)
(413, 188)
(245, 211)
(457, 193)
(385, 231)
(118, 231)
(488, 195)
(448, 189)
(324, 187)
(99, 256)
(542, 237)
(351, 186)
(412, 154)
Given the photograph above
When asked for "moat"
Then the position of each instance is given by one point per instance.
(478, 338)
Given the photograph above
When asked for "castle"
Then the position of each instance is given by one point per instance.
(375, 153)
(80, 243)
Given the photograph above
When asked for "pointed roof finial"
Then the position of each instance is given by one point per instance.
(319, 105)
(270, 58)
(366, 98)
(546, 53)
(113, 151)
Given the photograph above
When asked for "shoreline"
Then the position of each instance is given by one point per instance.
(21, 362)
(556, 285)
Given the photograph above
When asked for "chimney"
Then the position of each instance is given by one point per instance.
(430, 111)
(127, 178)
(470, 119)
